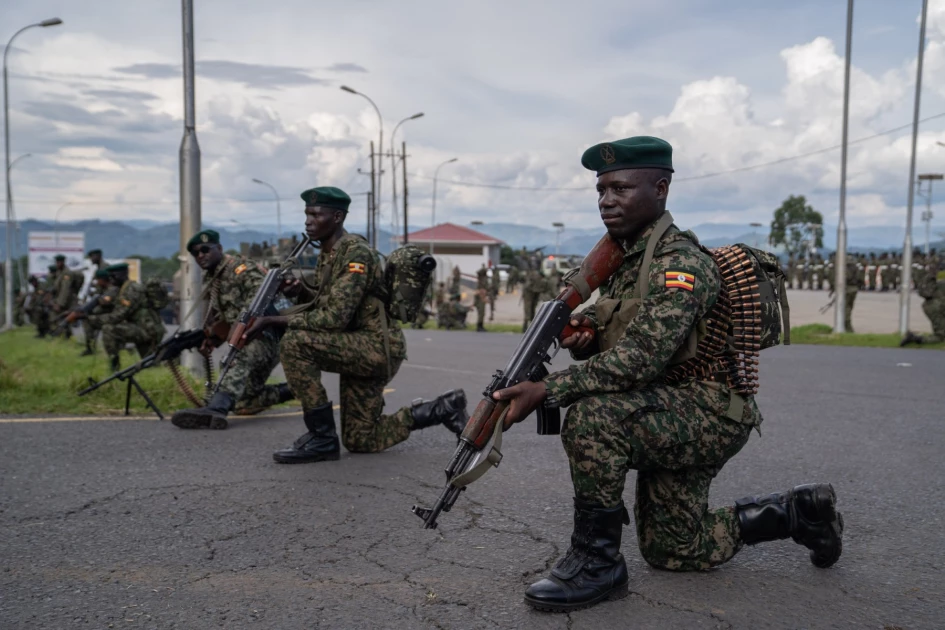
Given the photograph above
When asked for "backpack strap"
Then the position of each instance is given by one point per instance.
(643, 282)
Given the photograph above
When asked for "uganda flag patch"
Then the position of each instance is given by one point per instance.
(355, 267)
(240, 269)
(680, 280)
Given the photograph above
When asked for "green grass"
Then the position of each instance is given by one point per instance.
(493, 328)
(823, 335)
(43, 376)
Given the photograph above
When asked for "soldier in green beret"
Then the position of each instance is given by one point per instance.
(229, 284)
(632, 407)
(340, 325)
(36, 308)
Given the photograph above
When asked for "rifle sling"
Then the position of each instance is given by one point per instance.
(491, 460)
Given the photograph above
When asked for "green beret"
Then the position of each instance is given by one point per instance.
(327, 197)
(635, 152)
(122, 266)
(52, 268)
(60, 257)
(204, 236)
(92, 252)
(101, 273)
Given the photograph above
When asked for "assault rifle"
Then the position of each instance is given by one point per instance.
(539, 345)
(166, 351)
(262, 302)
(75, 315)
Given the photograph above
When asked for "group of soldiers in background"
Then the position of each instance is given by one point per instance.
(122, 310)
(525, 270)
(881, 272)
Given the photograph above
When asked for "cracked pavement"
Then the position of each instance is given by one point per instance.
(134, 523)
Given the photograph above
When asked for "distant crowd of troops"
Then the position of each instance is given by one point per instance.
(874, 273)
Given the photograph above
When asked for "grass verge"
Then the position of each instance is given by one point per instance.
(43, 375)
(823, 335)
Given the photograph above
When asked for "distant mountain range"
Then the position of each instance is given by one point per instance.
(122, 239)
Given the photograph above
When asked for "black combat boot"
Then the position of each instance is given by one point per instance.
(116, 363)
(213, 416)
(910, 337)
(593, 569)
(808, 514)
(320, 444)
(448, 409)
(285, 394)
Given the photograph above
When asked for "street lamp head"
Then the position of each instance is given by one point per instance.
(416, 116)
(257, 181)
(347, 89)
(51, 22)
(557, 224)
(451, 161)
(931, 176)
(475, 223)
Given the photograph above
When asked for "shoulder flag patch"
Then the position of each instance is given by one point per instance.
(240, 269)
(680, 280)
(125, 302)
(355, 267)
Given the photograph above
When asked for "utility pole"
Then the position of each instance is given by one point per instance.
(371, 211)
(906, 288)
(840, 260)
(927, 215)
(403, 156)
(191, 311)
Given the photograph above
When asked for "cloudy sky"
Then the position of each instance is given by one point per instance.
(515, 89)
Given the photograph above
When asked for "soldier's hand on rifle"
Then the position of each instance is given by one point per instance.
(75, 316)
(579, 340)
(206, 347)
(523, 399)
(290, 286)
(262, 323)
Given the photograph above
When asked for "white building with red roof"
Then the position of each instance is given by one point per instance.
(454, 245)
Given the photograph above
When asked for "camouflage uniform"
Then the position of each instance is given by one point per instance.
(933, 293)
(346, 330)
(482, 278)
(64, 295)
(853, 283)
(496, 288)
(455, 280)
(131, 320)
(531, 294)
(480, 303)
(625, 416)
(231, 287)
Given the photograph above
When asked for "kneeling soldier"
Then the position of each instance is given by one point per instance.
(341, 325)
(230, 282)
(632, 409)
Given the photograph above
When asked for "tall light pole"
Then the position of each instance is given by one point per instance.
(393, 169)
(14, 222)
(436, 174)
(906, 288)
(380, 152)
(757, 240)
(56, 221)
(191, 311)
(559, 228)
(278, 208)
(927, 215)
(840, 260)
(8, 268)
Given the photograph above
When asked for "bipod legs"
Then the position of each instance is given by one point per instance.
(147, 399)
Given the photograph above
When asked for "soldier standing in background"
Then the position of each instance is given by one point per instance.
(39, 316)
(819, 272)
(791, 270)
(531, 293)
(514, 278)
(494, 289)
(480, 304)
(64, 293)
(439, 297)
(89, 333)
(482, 277)
(932, 290)
(455, 286)
(853, 283)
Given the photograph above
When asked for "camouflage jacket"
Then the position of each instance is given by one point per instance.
(231, 286)
(345, 292)
(684, 284)
(65, 295)
(131, 305)
(106, 301)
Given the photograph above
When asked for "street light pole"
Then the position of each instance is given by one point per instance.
(436, 174)
(927, 215)
(559, 228)
(393, 172)
(380, 152)
(906, 288)
(13, 221)
(840, 260)
(278, 208)
(8, 268)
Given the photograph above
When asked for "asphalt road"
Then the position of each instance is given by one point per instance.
(135, 524)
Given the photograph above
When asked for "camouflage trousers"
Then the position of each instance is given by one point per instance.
(115, 336)
(849, 299)
(530, 302)
(39, 316)
(89, 332)
(361, 363)
(246, 380)
(677, 439)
